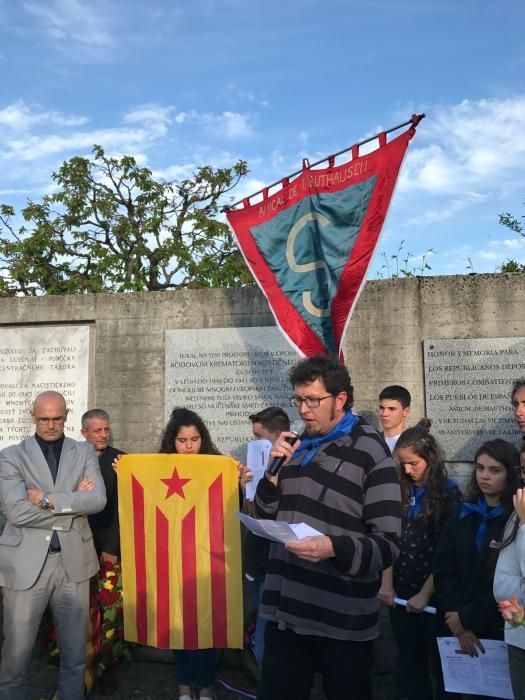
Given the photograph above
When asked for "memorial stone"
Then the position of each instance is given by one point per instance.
(226, 374)
(34, 359)
(467, 391)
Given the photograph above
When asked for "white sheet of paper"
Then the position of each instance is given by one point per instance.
(486, 674)
(428, 608)
(257, 460)
(277, 530)
(303, 530)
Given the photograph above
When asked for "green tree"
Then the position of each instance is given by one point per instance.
(514, 224)
(111, 227)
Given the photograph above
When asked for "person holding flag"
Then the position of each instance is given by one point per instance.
(186, 434)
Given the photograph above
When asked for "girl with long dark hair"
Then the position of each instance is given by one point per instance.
(186, 434)
(428, 498)
(468, 548)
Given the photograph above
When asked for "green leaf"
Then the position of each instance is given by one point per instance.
(111, 227)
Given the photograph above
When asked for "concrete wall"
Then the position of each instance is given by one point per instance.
(383, 346)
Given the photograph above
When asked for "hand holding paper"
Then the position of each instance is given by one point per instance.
(428, 608)
(277, 530)
(315, 548)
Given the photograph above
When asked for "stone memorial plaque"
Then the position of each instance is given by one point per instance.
(34, 359)
(467, 391)
(226, 374)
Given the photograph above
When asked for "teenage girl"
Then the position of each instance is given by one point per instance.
(468, 548)
(428, 498)
(186, 434)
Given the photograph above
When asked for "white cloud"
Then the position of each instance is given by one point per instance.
(469, 146)
(469, 257)
(28, 133)
(177, 171)
(501, 250)
(150, 114)
(21, 117)
(37, 147)
(79, 21)
(233, 124)
(489, 255)
(5, 192)
(230, 125)
(448, 211)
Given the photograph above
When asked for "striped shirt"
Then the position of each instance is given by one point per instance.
(350, 492)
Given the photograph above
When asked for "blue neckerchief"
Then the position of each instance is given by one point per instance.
(311, 444)
(417, 495)
(482, 509)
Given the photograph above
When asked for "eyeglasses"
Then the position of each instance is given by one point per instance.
(47, 421)
(310, 402)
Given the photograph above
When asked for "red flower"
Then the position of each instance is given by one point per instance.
(512, 612)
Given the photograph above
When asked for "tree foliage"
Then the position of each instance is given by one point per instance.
(111, 227)
(514, 224)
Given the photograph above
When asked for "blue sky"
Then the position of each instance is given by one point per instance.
(179, 84)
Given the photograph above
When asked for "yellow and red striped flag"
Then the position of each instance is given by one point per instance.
(181, 551)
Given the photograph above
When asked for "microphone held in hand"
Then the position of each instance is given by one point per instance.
(277, 462)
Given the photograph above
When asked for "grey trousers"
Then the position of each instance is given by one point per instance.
(517, 671)
(23, 612)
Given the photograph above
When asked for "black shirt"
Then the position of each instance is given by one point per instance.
(105, 525)
(418, 544)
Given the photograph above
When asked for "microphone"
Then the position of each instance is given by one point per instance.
(277, 462)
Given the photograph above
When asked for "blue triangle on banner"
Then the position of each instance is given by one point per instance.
(307, 246)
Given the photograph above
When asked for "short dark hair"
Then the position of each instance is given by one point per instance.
(93, 413)
(184, 418)
(328, 368)
(503, 452)
(518, 384)
(273, 418)
(395, 392)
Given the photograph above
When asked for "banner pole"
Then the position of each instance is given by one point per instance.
(414, 121)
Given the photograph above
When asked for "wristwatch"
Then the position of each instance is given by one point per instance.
(44, 501)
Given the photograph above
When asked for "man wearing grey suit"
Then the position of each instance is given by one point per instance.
(49, 483)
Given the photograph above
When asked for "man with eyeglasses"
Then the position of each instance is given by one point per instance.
(320, 592)
(49, 483)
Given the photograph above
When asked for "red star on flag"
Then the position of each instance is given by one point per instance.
(175, 484)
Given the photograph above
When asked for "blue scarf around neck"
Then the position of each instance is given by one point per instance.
(481, 508)
(417, 495)
(310, 445)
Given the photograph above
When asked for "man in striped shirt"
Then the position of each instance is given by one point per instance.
(320, 593)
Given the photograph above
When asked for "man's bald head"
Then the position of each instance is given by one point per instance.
(49, 414)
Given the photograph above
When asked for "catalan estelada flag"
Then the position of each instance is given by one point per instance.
(309, 244)
(181, 551)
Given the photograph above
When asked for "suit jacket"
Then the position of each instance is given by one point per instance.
(105, 525)
(25, 541)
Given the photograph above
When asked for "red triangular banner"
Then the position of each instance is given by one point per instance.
(310, 244)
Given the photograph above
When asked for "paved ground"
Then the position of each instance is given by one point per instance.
(149, 680)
